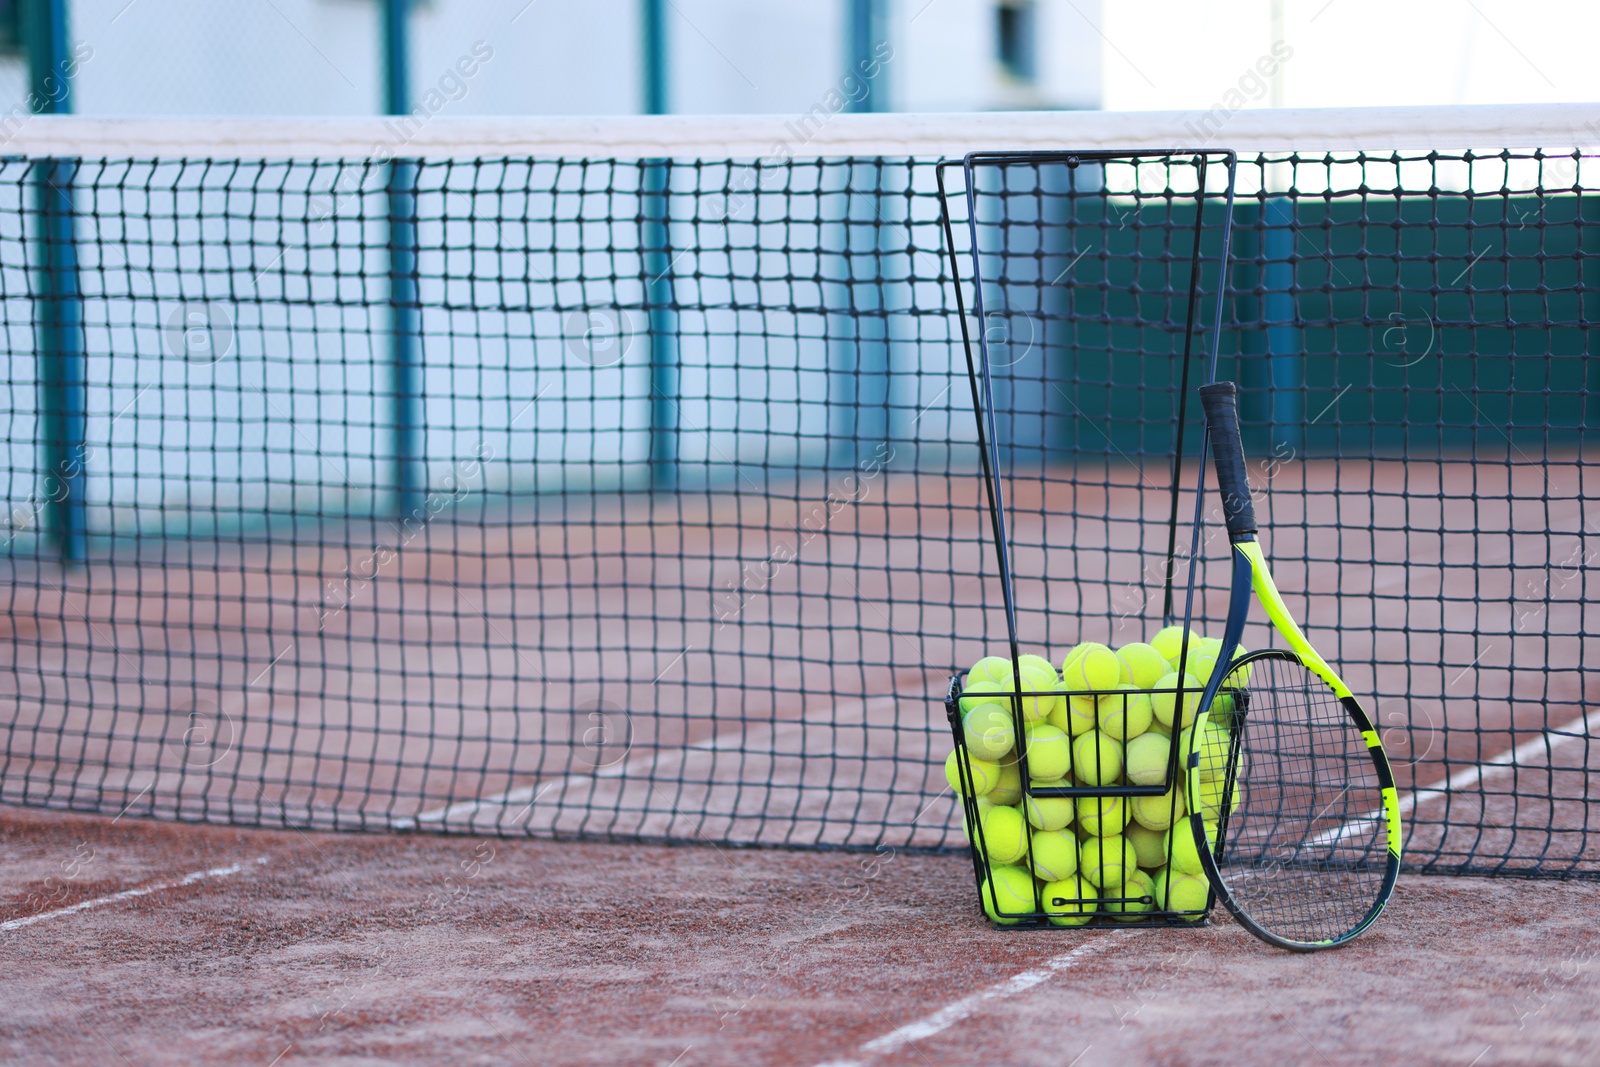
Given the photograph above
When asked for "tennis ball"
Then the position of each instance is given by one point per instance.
(988, 731)
(1043, 682)
(1070, 901)
(1239, 677)
(1138, 885)
(1158, 813)
(983, 804)
(1103, 816)
(1169, 641)
(1183, 850)
(985, 774)
(1055, 855)
(1145, 665)
(1210, 646)
(1125, 714)
(981, 692)
(1005, 835)
(1048, 813)
(1079, 715)
(1096, 759)
(992, 669)
(1149, 845)
(1008, 787)
(1096, 668)
(1166, 704)
(1146, 759)
(1201, 667)
(1029, 659)
(1048, 751)
(1073, 654)
(1210, 798)
(1181, 892)
(1106, 861)
(1007, 889)
(1211, 744)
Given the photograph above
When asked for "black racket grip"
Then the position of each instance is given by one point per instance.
(1221, 403)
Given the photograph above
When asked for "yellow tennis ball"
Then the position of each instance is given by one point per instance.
(1149, 845)
(1048, 813)
(1005, 835)
(1008, 787)
(1169, 641)
(1096, 759)
(1158, 813)
(1126, 713)
(1106, 861)
(1210, 798)
(1201, 667)
(1210, 646)
(1077, 715)
(1147, 757)
(988, 731)
(1048, 751)
(1139, 886)
(1029, 659)
(1072, 655)
(1181, 892)
(1211, 744)
(1008, 895)
(1096, 668)
(1183, 850)
(1070, 901)
(1042, 691)
(1166, 703)
(981, 692)
(1055, 855)
(1145, 665)
(985, 773)
(995, 669)
(1102, 816)
(1239, 677)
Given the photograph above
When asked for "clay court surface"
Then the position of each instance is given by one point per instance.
(271, 947)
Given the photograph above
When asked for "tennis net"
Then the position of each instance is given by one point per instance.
(618, 478)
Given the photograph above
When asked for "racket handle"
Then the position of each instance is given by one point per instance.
(1220, 400)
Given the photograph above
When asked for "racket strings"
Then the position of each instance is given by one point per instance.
(1305, 844)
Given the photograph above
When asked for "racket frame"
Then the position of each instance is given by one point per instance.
(1252, 579)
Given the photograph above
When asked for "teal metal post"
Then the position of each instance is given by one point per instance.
(58, 332)
(405, 417)
(861, 361)
(655, 257)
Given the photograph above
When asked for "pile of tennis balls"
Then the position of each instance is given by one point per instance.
(1087, 852)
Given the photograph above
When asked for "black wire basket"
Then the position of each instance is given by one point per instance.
(1155, 807)
(1060, 835)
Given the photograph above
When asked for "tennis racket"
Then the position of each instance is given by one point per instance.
(1284, 762)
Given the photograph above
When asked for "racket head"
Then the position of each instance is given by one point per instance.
(1308, 821)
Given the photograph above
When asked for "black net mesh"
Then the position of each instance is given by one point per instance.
(640, 500)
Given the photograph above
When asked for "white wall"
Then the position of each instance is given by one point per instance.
(946, 56)
(1163, 54)
(232, 57)
(321, 57)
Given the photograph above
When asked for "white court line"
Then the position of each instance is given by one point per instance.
(1547, 740)
(126, 894)
(1583, 726)
(951, 1014)
(530, 793)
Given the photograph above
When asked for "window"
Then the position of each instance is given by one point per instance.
(11, 25)
(1014, 39)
